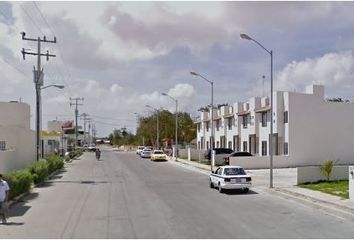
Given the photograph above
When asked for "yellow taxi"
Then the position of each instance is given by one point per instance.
(158, 155)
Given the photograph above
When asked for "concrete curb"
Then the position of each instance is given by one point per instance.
(315, 200)
(194, 164)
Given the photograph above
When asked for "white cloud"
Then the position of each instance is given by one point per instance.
(332, 70)
(184, 93)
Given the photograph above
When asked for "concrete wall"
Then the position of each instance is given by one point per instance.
(262, 162)
(320, 130)
(15, 114)
(183, 153)
(20, 139)
(314, 174)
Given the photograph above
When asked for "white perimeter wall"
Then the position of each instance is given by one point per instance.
(314, 174)
(21, 145)
(320, 130)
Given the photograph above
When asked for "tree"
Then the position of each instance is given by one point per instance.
(147, 127)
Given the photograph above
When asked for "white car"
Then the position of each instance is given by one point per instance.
(146, 153)
(158, 155)
(140, 149)
(230, 177)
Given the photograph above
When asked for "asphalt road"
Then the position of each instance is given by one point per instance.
(124, 196)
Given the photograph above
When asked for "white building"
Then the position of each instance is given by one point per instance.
(17, 140)
(307, 129)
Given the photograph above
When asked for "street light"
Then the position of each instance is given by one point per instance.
(39, 115)
(212, 112)
(165, 94)
(246, 37)
(137, 118)
(54, 85)
(157, 125)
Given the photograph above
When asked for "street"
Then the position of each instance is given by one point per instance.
(125, 196)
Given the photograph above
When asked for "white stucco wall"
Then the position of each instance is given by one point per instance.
(320, 130)
(314, 174)
(262, 162)
(15, 114)
(20, 139)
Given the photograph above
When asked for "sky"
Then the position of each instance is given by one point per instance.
(120, 56)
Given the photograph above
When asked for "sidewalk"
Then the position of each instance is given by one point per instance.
(285, 184)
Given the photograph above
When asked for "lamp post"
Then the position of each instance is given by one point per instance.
(39, 115)
(246, 37)
(176, 136)
(212, 112)
(157, 125)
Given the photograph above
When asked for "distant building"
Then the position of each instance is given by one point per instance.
(307, 129)
(17, 140)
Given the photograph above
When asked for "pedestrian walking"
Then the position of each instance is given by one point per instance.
(4, 198)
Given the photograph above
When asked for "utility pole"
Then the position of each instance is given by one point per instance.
(86, 119)
(38, 81)
(94, 131)
(76, 103)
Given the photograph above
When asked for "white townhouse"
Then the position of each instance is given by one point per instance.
(17, 140)
(307, 129)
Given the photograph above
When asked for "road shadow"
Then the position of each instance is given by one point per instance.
(10, 223)
(239, 192)
(49, 183)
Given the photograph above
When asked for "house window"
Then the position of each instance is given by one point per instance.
(264, 148)
(245, 146)
(198, 126)
(264, 119)
(286, 117)
(2, 145)
(199, 145)
(217, 144)
(286, 148)
(217, 125)
(244, 121)
(207, 144)
(207, 126)
(230, 144)
(229, 123)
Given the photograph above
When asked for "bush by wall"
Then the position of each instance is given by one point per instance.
(54, 162)
(20, 182)
(76, 153)
(39, 171)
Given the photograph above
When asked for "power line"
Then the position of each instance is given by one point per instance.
(114, 119)
(59, 48)
(16, 68)
(31, 19)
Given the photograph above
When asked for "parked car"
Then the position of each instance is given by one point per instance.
(236, 154)
(92, 148)
(220, 154)
(230, 177)
(146, 153)
(140, 149)
(158, 155)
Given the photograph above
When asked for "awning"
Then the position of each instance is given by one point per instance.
(228, 115)
(263, 109)
(243, 113)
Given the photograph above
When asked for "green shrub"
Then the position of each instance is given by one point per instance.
(326, 168)
(39, 171)
(55, 162)
(76, 153)
(19, 181)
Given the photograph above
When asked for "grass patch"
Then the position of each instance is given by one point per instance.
(338, 188)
